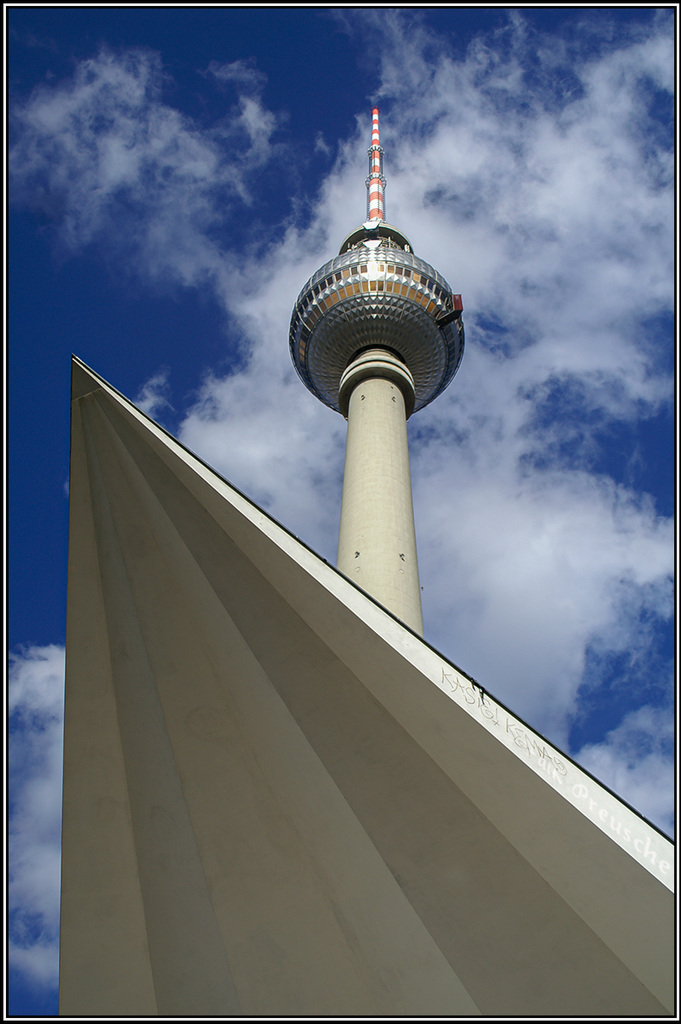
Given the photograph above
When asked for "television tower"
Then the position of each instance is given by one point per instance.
(377, 334)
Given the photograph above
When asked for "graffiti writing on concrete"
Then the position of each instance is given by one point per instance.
(546, 759)
(603, 808)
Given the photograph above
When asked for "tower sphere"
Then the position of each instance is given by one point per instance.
(376, 294)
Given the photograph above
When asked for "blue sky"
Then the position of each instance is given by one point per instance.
(176, 175)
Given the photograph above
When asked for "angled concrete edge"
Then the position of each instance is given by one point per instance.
(578, 841)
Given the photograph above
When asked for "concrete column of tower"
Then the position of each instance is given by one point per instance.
(377, 541)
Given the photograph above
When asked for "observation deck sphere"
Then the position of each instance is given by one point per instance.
(376, 292)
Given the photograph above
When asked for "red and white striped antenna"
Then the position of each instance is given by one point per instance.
(375, 183)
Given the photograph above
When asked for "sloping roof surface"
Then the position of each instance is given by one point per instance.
(278, 800)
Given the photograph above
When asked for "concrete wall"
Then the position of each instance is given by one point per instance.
(274, 805)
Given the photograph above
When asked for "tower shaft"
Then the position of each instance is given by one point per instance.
(377, 541)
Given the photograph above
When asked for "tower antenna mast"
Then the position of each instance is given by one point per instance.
(375, 183)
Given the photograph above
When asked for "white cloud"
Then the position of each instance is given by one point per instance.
(153, 396)
(115, 165)
(35, 703)
(634, 760)
(321, 145)
(522, 571)
(243, 73)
